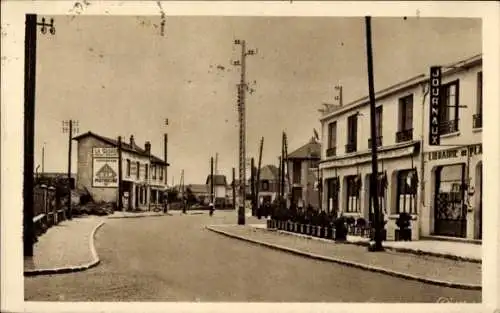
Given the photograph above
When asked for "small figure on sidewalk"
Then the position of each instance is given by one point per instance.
(211, 209)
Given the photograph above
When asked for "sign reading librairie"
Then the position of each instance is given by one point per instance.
(435, 103)
(98, 152)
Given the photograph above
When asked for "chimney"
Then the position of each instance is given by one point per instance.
(132, 142)
(147, 146)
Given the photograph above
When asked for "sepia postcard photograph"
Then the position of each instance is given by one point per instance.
(250, 156)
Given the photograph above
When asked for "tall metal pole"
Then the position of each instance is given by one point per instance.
(242, 88)
(373, 132)
(252, 184)
(165, 146)
(283, 160)
(43, 159)
(257, 187)
(29, 131)
(234, 188)
(212, 180)
(70, 138)
(120, 175)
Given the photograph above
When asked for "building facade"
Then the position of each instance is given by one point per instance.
(303, 171)
(143, 174)
(440, 186)
(268, 184)
(220, 189)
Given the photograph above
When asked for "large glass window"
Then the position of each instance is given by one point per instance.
(353, 184)
(407, 191)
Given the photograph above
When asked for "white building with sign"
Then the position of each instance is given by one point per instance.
(440, 186)
(143, 174)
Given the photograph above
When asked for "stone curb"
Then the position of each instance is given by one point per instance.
(350, 263)
(395, 249)
(71, 269)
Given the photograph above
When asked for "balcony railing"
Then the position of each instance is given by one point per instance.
(379, 142)
(448, 127)
(404, 135)
(350, 147)
(477, 121)
(331, 152)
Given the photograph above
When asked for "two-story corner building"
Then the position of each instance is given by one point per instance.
(268, 184)
(220, 189)
(143, 174)
(414, 177)
(303, 173)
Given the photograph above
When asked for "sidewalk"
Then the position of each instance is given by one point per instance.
(125, 214)
(430, 269)
(66, 247)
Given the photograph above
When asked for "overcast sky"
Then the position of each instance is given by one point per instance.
(119, 76)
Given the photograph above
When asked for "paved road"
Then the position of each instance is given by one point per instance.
(173, 258)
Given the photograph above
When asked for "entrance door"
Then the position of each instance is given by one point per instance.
(449, 209)
(296, 194)
(333, 185)
(136, 197)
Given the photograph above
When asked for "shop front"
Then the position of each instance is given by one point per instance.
(455, 197)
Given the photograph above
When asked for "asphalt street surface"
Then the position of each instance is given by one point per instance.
(174, 258)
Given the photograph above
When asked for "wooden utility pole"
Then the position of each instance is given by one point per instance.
(279, 178)
(373, 132)
(165, 155)
(252, 185)
(212, 181)
(242, 89)
(283, 166)
(257, 186)
(120, 175)
(234, 188)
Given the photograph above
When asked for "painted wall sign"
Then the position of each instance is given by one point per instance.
(105, 172)
(104, 152)
(456, 152)
(435, 99)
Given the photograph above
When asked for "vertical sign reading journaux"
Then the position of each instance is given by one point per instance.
(104, 167)
(435, 102)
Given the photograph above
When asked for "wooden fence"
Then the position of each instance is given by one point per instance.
(48, 209)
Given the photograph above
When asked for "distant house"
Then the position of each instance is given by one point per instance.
(200, 191)
(220, 188)
(269, 183)
(303, 171)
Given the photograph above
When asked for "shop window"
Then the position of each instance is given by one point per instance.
(407, 191)
(353, 186)
(381, 193)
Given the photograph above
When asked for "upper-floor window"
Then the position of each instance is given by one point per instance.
(128, 168)
(264, 185)
(161, 172)
(449, 107)
(153, 171)
(138, 164)
(478, 117)
(145, 171)
(378, 126)
(297, 168)
(352, 133)
(332, 139)
(405, 123)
